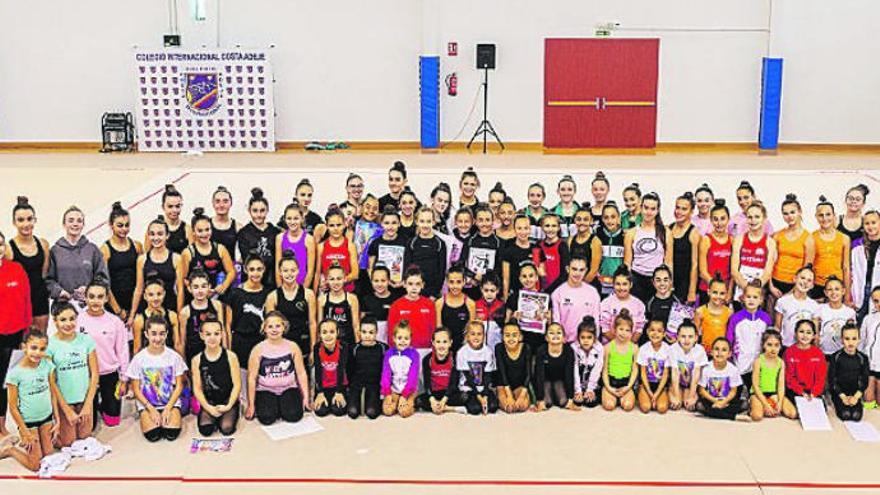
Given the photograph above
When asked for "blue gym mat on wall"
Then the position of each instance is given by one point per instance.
(429, 86)
(771, 103)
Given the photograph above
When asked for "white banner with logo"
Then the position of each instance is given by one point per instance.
(206, 100)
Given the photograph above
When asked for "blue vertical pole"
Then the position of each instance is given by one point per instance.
(429, 86)
(771, 103)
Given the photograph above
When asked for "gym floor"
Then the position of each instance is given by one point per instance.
(557, 452)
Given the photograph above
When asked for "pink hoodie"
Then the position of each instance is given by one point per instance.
(612, 305)
(111, 340)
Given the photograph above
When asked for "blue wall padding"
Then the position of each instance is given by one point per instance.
(771, 103)
(429, 86)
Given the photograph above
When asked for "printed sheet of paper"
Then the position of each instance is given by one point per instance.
(813, 415)
(392, 258)
(533, 305)
(283, 430)
(862, 431)
(211, 445)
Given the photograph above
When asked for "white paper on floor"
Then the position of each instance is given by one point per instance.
(862, 431)
(283, 430)
(813, 415)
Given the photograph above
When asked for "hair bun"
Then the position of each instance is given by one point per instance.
(567, 177)
(624, 312)
(399, 166)
(635, 185)
(587, 206)
(469, 168)
(688, 195)
(864, 189)
(169, 188)
(498, 187)
(117, 206)
(720, 202)
(744, 184)
(198, 211)
(822, 199)
(389, 210)
(588, 320)
(22, 201)
(791, 197)
(304, 182)
(256, 193)
(160, 218)
(600, 175)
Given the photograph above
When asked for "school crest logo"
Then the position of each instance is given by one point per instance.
(202, 91)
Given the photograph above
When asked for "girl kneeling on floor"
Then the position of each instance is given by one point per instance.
(719, 384)
(475, 363)
(768, 381)
(278, 384)
(621, 369)
(654, 362)
(156, 375)
(400, 374)
(76, 368)
(32, 393)
(554, 372)
(216, 381)
(331, 366)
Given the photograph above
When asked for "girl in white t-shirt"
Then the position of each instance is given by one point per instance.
(156, 375)
(832, 316)
(719, 384)
(686, 360)
(796, 305)
(654, 364)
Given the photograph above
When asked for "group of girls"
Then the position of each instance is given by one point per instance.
(388, 305)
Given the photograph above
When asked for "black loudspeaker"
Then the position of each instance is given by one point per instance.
(486, 56)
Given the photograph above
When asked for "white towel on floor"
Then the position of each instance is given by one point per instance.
(89, 449)
(54, 464)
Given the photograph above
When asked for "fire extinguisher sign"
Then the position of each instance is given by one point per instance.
(452, 48)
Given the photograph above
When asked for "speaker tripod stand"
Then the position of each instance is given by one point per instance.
(485, 128)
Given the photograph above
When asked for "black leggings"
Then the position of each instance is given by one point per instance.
(554, 394)
(473, 405)
(423, 402)
(729, 412)
(105, 399)
(8, 343)
(288, 406)
(372, 406)
(329, 406)
(844, 412)
(226, 423)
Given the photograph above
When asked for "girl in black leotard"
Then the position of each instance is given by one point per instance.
(244, 310)
(154, 294)
(455, 310)
(121, 255)
(296, 302)
(223, 228)
(685, 249)
(179, 233)
(32, 253)
(196, 313)
(160, 262)
(216, 380)
(208, 255)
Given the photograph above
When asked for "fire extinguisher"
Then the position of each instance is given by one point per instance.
(452, 84)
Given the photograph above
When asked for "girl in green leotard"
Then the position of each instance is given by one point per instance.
(768, 381)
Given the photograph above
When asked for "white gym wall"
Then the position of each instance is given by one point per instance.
(348, 70)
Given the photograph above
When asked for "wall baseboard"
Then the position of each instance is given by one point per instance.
(460, 147)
